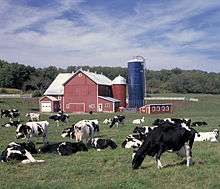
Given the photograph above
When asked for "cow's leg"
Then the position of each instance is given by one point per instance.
(29, 139)
(188, 155)
(57, 123)
(29, 156)
(159, 164)
(117, 124)
(45, 140)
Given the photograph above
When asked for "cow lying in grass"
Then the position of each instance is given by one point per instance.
(59, 117)
(20, 151)
(138, 121)
(101, 143)
(199, 124)
(12, 113)
(68, 132)
(208, 136)
(119, 119)
(164, 138)
(63, 148)
(12, 124)
(33, 116)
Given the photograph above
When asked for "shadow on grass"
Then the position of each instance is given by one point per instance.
(200, 162)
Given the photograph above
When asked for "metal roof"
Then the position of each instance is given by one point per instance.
(99, 79)
(119, 80)
(56, 87)
(109, 99)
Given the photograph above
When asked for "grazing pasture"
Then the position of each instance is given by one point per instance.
(112, 168)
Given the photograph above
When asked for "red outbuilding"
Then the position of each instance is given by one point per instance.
(85, 91)
(49, 104)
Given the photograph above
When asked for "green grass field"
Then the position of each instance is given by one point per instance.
(112, 168)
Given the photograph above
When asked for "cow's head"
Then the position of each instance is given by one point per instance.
(216, 131)
(22, 131)
(30, 146)
(137, 159)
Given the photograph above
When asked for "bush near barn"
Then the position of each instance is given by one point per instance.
(112, 168)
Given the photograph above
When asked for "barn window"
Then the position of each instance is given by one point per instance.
(107, 105)
(80, 74)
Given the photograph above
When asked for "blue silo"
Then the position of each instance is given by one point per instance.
(136, 82)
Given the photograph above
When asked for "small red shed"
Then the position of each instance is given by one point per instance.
(108, 104)
(49, 104)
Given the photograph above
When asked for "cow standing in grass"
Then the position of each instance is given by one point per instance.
(166, 138)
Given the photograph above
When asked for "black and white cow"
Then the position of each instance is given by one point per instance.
(59, 117)
(12, 113)
(68, 132)
(20, 151)
(33, 116)
(33, 129)
(199, 123)
(83, 132)
(166, 138)
(133, 141)
(171, 121)
(101, 143)
(116, 120)
(63, 148)
(143, 130)
(207, 136)
(107, 121)
(12, 124)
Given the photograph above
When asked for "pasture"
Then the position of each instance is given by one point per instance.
(112, 168)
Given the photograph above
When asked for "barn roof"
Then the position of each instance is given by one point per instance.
(99, 79)
(50, 97)
(109, 99)
(56, 87)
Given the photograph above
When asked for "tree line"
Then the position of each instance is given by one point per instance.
(28, 78)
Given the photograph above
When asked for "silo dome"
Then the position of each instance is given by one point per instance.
(119, 80)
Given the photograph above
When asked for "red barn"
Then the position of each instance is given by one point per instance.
(84, 91)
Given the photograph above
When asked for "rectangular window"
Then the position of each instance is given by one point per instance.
(107, 105)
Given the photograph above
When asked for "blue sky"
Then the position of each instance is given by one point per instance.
(168, 33)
